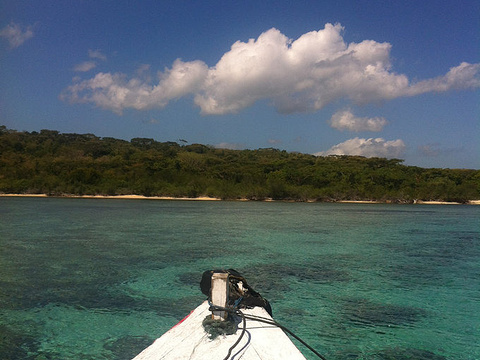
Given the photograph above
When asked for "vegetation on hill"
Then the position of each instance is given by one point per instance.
(83, 164)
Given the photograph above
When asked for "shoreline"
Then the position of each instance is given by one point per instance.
(123, 197)
(207, 198)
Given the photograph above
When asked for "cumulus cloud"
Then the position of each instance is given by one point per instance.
(367, 147)
(460, 77)
(115, 92)
(298, 75)
(345, 120)
(15, 35)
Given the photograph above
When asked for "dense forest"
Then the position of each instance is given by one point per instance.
(59, 164)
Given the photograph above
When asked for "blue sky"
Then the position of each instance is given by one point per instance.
(374, 78)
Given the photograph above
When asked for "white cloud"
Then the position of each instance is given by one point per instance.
(89, 65)
(116, 93)
(459, 77)
(14, 34)
(367, 147)
(85, 66)
(298, 75)
(97, 54)
(345, 120)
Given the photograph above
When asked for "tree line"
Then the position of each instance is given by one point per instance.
(54, 163)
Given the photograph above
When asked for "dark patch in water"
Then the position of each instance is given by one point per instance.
(406, 354)
(362, 312)
(180, 307)
(345, 354)
(316, 273)
(190, 278)
(40, 280)
(395, 353)
(92, 285)
(418, 274)
(322, 274)
(16, 345)
(429, 262)
(127, 347)
(446, 249)
(294, 312)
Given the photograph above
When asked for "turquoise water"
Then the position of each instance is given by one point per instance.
(101, 279)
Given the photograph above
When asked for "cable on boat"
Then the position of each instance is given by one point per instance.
(273, 322)
(242, 315)
(264, 320)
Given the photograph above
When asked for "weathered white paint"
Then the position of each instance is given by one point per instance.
(219, 294)
(188, 340)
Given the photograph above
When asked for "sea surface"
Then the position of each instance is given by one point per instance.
(102, 278)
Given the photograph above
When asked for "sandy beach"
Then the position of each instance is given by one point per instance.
(139, 197)
(438, 202)
(24, 195)
(207, 198)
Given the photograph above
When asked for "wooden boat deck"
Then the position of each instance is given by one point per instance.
(189, 340)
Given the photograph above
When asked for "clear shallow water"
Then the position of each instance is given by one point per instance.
(101, 279)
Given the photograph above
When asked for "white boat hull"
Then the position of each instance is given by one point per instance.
(189, 340)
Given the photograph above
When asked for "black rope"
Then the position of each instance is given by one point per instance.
(264, 320)
(273, 322)
(238, 312)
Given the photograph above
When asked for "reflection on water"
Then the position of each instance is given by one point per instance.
(101, 279)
